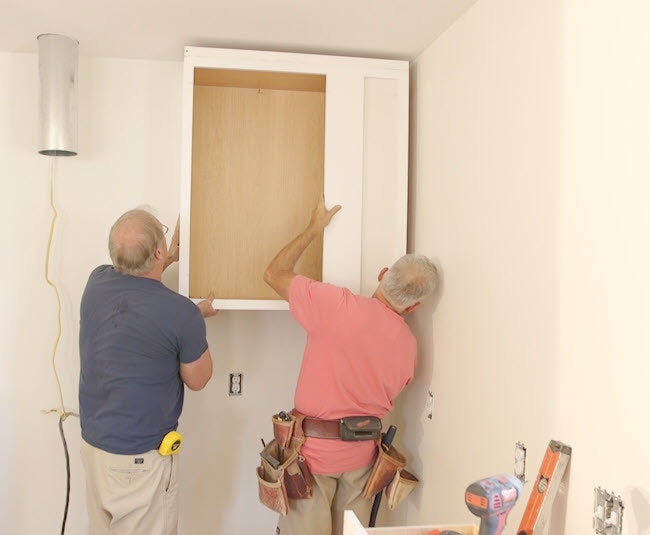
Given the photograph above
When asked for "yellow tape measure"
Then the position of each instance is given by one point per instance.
(171, 444)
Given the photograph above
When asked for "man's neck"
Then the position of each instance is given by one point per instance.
(155, 273)
(381, 297)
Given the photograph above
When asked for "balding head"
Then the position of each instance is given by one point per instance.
(409, 280)
(133, 241)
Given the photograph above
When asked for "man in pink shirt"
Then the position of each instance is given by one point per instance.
(360, 354)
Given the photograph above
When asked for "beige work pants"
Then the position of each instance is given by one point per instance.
(323, 513)
(130, 494)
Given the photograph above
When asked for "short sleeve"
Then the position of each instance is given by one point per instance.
(192, 341)
(313, 303)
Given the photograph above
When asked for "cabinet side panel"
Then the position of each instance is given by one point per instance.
(257, 172)
(343, 178)
(186, 180)
(384, 179)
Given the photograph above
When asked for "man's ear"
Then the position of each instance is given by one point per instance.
(382, 273)
(411, 308)
(158, 253)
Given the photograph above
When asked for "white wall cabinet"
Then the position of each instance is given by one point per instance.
(264, 133)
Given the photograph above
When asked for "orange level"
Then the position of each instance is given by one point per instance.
(547, 484)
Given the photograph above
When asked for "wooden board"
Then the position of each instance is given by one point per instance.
(260, 79)
(257, 173)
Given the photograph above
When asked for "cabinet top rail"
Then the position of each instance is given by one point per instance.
(203, 53)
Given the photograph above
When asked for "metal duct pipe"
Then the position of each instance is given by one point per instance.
(58, 94)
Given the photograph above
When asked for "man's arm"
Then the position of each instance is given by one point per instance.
(197, 374)
(280, 272)
(206, 308)
(173, 249)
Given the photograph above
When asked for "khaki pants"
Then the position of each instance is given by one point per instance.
(323, 513)
(130, 494)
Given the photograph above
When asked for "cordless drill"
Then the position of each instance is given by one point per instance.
(491, 499)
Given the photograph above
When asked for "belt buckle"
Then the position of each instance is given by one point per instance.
(355, 428)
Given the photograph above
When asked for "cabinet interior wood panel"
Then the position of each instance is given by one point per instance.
(257, 173)
(260, 79)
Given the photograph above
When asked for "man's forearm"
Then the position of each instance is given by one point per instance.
(279, 273)
(289, 255)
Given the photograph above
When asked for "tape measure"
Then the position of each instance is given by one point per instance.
(171, 444)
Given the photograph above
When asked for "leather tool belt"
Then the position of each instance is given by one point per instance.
(283, 473)
(351, 428)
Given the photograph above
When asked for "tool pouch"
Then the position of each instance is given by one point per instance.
(270, 480)
(297, 478)
(400, 487)
(283, 430)
(284, 473)
(386, 466)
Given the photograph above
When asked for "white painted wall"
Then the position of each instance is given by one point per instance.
(530, 184)
(129, 153)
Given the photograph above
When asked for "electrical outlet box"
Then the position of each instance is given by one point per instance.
(235, 384)
(608, 513)
(520, 462)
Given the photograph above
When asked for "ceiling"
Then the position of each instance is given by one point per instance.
(148, 29)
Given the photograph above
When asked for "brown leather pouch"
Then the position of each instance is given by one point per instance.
(297, 478)
(270, 480)
(384, 470)
(283, 429)
(400, 487)
(283, 474)
(272, 494)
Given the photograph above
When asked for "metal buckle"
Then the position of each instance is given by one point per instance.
(360, 428)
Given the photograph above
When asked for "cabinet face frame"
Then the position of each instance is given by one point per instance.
(347, 83)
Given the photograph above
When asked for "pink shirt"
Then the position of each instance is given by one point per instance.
(359, 356)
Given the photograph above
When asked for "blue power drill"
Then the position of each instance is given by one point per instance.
(491, 499)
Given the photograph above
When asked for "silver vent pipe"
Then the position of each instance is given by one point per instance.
(58, 94)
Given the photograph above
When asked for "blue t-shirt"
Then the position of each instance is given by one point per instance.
(134, 333)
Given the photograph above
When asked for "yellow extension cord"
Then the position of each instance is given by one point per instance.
(63, 414)
(60, 411)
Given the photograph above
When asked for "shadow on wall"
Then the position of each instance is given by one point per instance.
(219, 494)
(557, 523)
(413, 407)
(641, 510)
(210, 467)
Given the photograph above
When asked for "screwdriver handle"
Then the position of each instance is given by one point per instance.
(388, 437)
(386, 441)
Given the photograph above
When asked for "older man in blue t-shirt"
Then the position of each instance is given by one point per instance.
(139, 344)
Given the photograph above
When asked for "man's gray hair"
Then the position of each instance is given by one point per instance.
(133, 241)
(409, 280)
